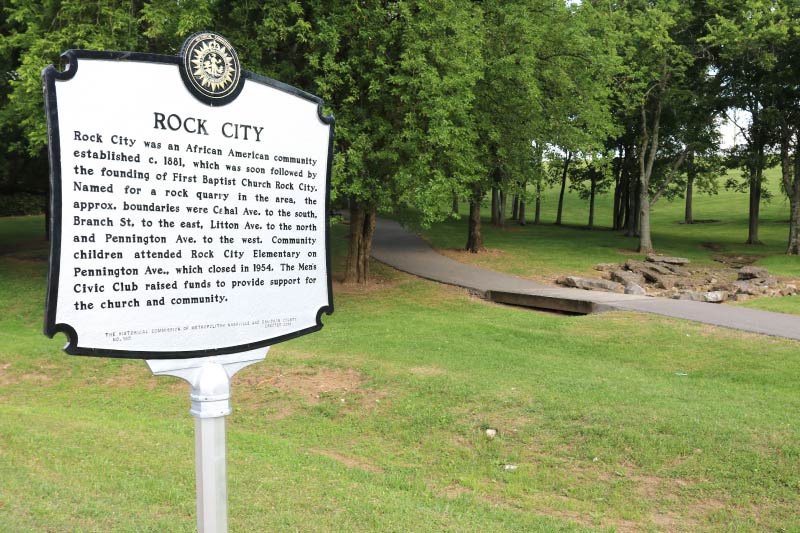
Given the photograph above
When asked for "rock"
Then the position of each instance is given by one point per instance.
(665, 282)
(491, 433)
(715, 297)
(720, 286)
(767, 282)
(752, 272)
(691, 296)
(633, 288)
(678, 271)
(652, 272)
(747, 287)
(626, 276)
(606, 267)
(590, 284)
(789, 290)
(688, 283)
(666, 259)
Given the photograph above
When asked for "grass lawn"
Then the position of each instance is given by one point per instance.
(378, 422)
(546, 251)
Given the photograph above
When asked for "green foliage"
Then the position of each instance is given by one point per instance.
(438, 97)
(21, 204)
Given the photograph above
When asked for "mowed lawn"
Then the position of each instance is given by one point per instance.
(378, 423)
(546, 251)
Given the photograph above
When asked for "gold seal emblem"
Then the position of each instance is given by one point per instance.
(211, 65)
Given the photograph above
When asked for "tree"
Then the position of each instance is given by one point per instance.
(504, 96)
(786, 98)
(745, 36)
(596, 169)
(400, 77)
(661, 49)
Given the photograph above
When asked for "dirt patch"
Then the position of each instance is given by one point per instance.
(453, 491)
(736, 260)
(315, 385)
(427, 371)
(5, 376)
(702, 221)
(9, 378)
(467, 257)
(348, 461)
(375, 284)
(130, 376)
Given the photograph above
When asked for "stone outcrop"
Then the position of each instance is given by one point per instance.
(590, 284)
(653, 258)
(672, 277)
(626, 276)
(752, 272)
(635, 288)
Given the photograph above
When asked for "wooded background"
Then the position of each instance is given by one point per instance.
(438, 101)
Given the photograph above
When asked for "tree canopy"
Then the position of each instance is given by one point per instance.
(438, 98)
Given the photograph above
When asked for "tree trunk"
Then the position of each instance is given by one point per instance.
(563, 188)
(794, 223)
(521, 212)
(537, 213)
(592, 193)
(455, 204)
(615, 214)
(619, 192)
(690, 174)
(755, 205)
(501, 214)
(495, 206)
(632, 210)
(362, 229)
(515, 207)
(645, 243)
(647, 159)
(791, 184)
(637, 206)
(474, 238)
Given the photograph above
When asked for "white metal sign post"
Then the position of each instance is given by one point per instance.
(210, 393)
(190, 206)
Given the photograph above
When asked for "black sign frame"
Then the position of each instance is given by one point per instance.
(50, 76)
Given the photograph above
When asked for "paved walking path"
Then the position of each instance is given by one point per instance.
(405, 251)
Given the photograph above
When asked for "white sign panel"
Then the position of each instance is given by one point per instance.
(190, 205)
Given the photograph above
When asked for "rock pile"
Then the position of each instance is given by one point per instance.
(671, 277)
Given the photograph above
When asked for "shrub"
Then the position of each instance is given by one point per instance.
(22, 203)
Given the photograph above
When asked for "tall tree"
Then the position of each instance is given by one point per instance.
(662, 47)
(745, 35)
(507, 88)
(400, 77)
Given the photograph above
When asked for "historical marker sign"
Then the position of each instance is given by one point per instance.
(190, 204)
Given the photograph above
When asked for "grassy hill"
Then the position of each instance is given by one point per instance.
(378, 422)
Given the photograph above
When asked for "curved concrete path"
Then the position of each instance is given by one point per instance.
(405, 251)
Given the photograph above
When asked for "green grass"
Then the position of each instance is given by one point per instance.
(547, 250)
(377, 423)
(785, 304)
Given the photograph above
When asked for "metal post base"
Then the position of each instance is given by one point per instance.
(210, 395)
